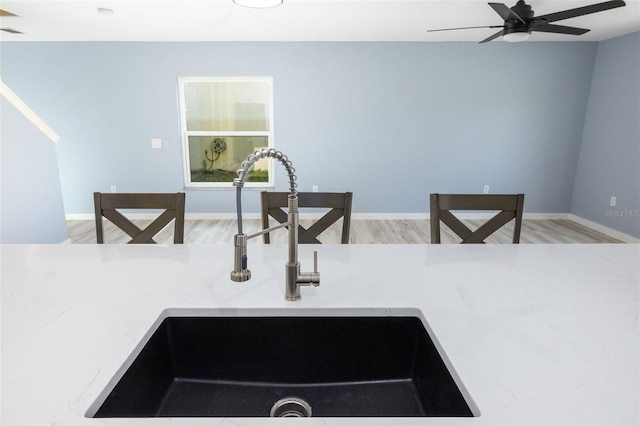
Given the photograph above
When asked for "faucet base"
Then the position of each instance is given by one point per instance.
(241, 276)
(292, 291)
(295, 279)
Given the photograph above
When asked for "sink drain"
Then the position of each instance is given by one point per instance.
(291, 407)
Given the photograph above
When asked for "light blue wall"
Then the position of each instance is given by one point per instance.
(391, 122)
(609, 163)
(31, 210)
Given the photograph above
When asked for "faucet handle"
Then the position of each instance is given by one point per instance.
(309, 278)
(315, 275)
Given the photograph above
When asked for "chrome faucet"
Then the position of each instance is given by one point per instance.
(293, 277)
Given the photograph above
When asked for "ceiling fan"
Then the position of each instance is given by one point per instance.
(519, 20)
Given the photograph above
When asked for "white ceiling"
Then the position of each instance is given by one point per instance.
(294, 20)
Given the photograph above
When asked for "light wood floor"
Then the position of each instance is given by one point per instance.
(362, 232)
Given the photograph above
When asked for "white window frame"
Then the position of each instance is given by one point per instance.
(270, 184)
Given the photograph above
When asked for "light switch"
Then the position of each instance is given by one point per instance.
(156, 143)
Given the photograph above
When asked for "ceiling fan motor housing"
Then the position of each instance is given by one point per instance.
(523, 10)
(522, 25)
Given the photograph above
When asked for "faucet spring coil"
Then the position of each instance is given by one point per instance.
(269, 153)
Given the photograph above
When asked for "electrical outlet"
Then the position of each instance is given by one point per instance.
(314, 188)
(113, 189)
(612, 203)
(165, 143)
(156, 143)
(486, 189)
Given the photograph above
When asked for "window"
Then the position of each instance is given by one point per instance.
(224, 120)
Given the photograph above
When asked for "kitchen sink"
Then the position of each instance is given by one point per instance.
(297, 362)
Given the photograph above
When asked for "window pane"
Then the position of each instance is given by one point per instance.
(227, 106)
(218, 158)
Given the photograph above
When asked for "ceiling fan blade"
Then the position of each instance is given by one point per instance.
(505, 13)
(580, 11)
(496, 35)
(466, 28)
(560, 29)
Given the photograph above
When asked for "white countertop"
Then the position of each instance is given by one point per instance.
(539, 334)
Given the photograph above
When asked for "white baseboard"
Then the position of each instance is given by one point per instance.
(79, 216)
(604, 229)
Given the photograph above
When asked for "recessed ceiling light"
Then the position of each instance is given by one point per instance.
(104, 11)
(258, 4)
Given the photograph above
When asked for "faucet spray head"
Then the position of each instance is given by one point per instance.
(240, 272)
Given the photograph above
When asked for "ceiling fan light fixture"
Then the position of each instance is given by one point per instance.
(258, 4)
(515, 35)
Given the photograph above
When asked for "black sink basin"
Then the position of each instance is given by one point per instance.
(240, 366)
